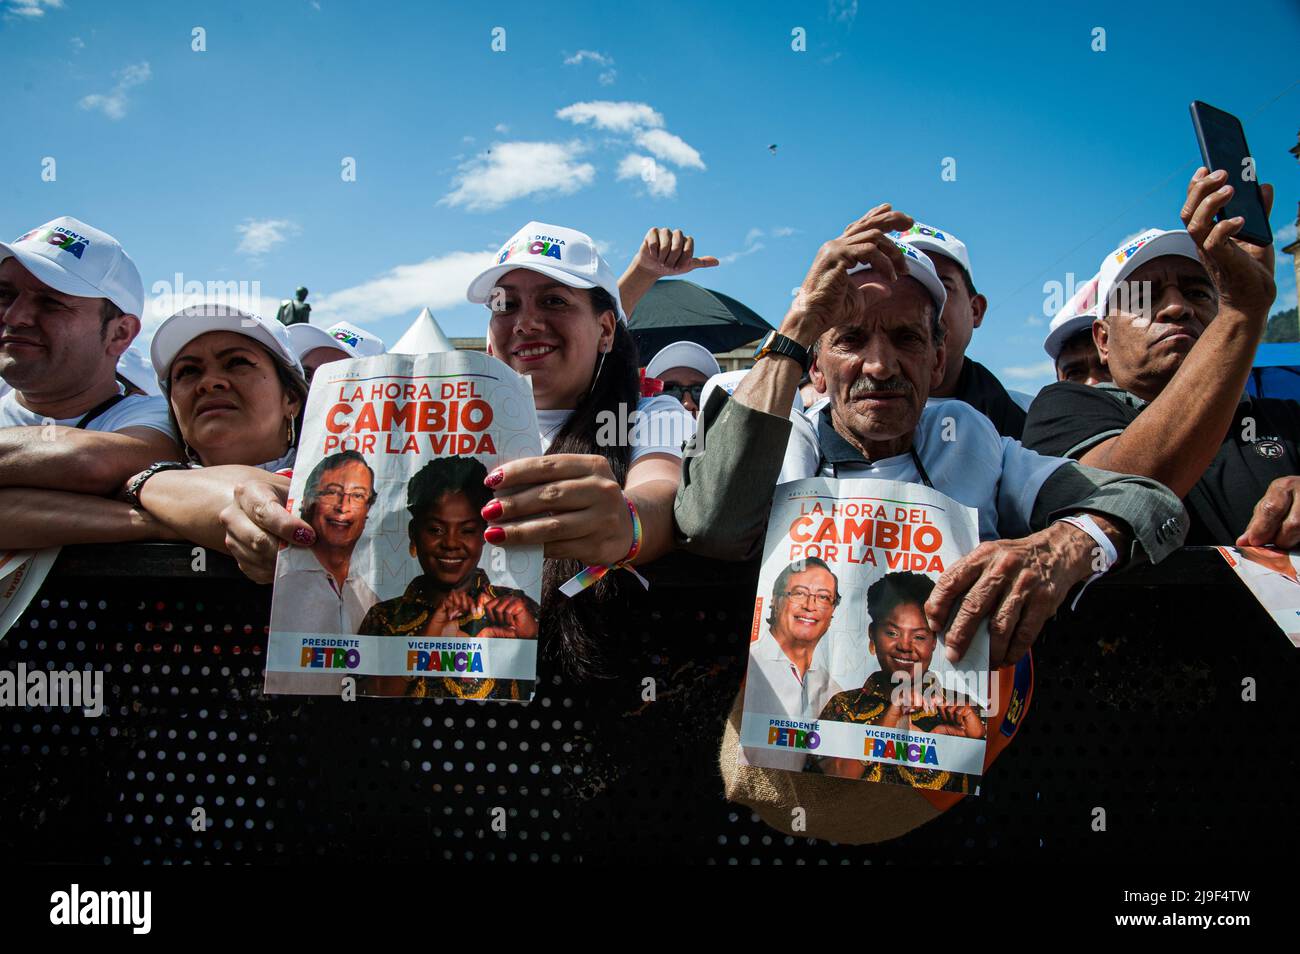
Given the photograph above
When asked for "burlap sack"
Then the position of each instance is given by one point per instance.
(853, 812)
(836, 809)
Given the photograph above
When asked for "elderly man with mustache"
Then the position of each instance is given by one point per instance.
(866, 323)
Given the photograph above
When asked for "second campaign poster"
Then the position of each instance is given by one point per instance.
(845, 675)
(399, 591)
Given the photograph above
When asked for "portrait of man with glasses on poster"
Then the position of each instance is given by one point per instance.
(331, 593)
(787, 674)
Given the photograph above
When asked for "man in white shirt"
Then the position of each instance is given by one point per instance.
(70, 304)
(322, 592)
(787, 676)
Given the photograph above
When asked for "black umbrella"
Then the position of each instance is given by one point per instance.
(678, 310)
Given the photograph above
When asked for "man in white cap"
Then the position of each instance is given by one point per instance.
(1069, 339)
(871, 306)
(1181, 313)
(70, 305)
(963, 312)
(316, 346)
(684, 367)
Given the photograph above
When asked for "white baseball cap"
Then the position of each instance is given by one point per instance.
(78, 259)
(567, 255)
(180, 329)
(1075, 315)
(934, 241)
(1123, 261)
(921, 268)
(341, 336)
(683, 354)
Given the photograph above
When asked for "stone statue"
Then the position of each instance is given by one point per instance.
(296, 312)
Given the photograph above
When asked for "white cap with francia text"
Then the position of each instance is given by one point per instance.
(78, 259)
(567, 255)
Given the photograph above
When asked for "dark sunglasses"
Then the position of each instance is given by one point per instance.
(680, 391)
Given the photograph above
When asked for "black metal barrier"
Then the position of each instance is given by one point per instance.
(1140, 712)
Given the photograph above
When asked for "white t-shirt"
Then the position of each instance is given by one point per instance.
(660, 425)
(964, 455)
(135, 410)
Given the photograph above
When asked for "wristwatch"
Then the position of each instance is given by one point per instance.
(136, 483)
(778, 344)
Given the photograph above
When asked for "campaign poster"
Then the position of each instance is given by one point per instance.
(845, 677)
(1273, 578)
(21, 574)
(400, 595)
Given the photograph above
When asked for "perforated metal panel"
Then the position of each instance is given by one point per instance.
(1137, 710)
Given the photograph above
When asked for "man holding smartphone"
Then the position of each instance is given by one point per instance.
(1180, 316)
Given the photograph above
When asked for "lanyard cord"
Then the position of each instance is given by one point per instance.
(916, 459)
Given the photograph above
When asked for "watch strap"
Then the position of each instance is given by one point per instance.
(778, 344)
(136, 483)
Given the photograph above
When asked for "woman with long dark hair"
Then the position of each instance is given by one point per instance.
(601, 496)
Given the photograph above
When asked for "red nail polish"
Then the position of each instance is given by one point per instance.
(494, 478)
(304, 536)
(494, 535)
(492, 511)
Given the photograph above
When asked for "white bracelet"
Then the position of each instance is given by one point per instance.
(1084, 522)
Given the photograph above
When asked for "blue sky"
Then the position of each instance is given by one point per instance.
(225, 165)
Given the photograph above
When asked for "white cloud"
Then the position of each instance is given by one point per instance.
(502, 128)
(613, 116)
(1034, 320)
(30, 9)
(1284, 236)
(113, 103)
(1031, 372)
(659, 181)
(584, 55)
(512, 170)
(77, 43)
(665, 145)
(262, 235)
(844, 11)
(752, 244)
(438, 282)
(607, 76)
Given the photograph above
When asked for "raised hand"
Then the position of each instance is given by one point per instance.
(669, 252)
(663, 252)
(828, 296)
(1242, 272)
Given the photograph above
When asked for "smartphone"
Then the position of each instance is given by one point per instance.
(1223, 146)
